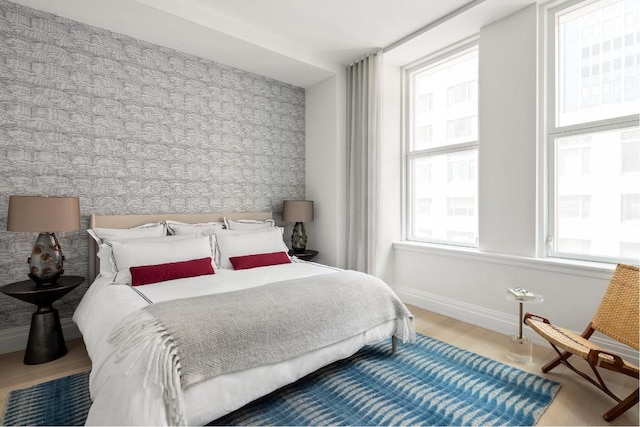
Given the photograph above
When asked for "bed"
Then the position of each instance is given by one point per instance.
(144, 376)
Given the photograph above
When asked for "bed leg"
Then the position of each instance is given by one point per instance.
(394, 344)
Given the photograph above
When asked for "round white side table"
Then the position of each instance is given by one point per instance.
(520, 347)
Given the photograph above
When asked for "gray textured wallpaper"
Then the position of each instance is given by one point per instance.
(131, 127)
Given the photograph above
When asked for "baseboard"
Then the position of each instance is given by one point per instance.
(15, 339)
(493, 320)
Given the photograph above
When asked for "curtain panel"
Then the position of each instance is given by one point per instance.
(364, 86)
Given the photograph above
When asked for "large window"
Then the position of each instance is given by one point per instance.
(593, 130)
(442, 149)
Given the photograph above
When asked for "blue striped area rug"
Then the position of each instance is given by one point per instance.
(428, 383)
(61, 402)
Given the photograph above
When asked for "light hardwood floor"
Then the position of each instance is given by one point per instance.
(577, 403)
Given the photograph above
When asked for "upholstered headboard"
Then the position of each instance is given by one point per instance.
(128, 221)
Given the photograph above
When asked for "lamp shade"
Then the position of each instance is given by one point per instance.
(43, 214)
(297, 210)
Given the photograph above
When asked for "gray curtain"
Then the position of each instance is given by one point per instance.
(364, 83)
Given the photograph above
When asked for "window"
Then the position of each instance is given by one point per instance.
(424, 136)
(442, 148)
(460, 93)
(630, 207)
(461, 129)
(424, 206)
(424, 103)
(593, 133)
(461, 206)
(574, 156)
(461, 167)
(574, 245)
(574, 208)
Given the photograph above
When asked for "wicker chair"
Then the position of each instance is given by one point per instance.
(617, 317)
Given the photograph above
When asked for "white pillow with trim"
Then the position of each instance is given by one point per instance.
(102, 235)
(154, 229)
(182, 228)
(250, 242)
(248, 224)
(134, 253)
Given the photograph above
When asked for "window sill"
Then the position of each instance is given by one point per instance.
(559, 265)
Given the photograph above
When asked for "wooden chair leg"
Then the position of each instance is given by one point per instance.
(621, 407)
(555, 362)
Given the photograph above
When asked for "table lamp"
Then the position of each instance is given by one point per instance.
(46, 215)
(298, 211)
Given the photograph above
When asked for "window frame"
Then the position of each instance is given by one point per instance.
(451, 52)
(553, 131)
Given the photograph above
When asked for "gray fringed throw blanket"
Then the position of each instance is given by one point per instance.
(190, 340)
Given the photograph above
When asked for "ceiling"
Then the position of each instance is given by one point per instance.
(301, 42)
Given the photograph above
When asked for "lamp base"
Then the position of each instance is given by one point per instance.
(520, 349)
(299, 238)
(46, 260)
(48, 281)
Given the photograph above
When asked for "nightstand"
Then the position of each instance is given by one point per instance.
(46, 342)
(307, 255)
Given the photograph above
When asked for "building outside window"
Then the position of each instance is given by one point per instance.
(424, 102)
(461, 93)
(574, 207)
(593, 137)
(424, 136)
(630, 207)
(442, 148)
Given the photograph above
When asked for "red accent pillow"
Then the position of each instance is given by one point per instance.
(259, 260)
(146, 274)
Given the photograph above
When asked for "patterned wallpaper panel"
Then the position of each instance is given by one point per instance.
(132, 127)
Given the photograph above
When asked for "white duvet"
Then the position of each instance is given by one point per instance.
(119, 397)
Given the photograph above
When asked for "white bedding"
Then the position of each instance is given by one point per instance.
(118, 396)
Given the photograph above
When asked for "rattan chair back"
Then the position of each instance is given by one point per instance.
(618, 313)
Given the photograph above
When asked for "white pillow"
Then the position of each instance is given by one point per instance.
(103, 235)
(196, 230)
(154, 229)
(247, 242)
(134, 253)
(107, 265)
(204, 228)
(216, 250)
(248, 224)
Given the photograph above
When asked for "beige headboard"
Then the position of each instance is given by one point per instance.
(128, 221)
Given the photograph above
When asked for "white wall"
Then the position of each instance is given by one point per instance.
(507, 129)
(325, 175)
(469, 284)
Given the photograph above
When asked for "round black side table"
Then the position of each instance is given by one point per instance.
(307, 255)
(46, 342)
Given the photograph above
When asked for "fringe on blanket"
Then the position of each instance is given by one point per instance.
(408, 330)
(159, 358)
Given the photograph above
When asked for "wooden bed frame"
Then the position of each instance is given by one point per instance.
(129, 221)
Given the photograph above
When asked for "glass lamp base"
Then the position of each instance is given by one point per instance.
(520, 349)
